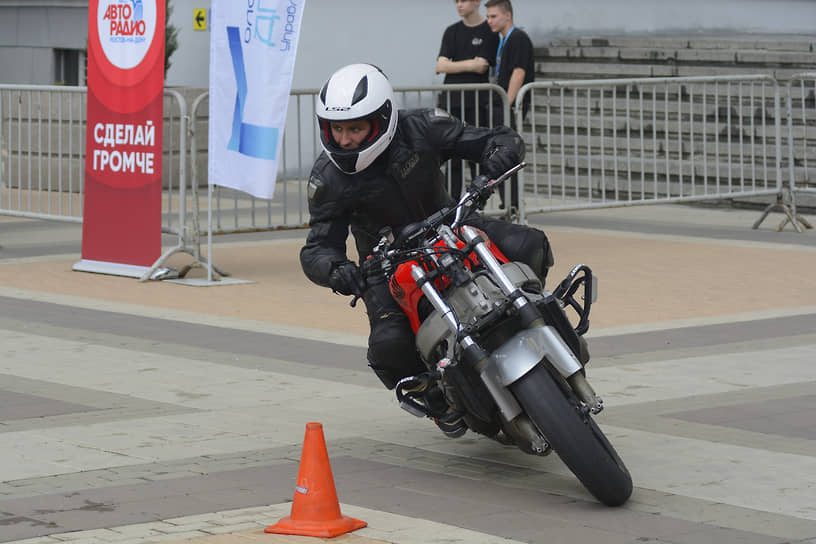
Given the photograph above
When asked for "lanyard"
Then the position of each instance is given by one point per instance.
(501, 46)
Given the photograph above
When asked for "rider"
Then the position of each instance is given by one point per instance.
(381, 167)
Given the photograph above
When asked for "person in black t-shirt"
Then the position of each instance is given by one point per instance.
(468, 50)
(514, 67)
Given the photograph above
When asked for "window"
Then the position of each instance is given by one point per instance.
(70, 67)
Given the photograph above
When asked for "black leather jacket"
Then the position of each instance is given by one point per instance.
(404, 185)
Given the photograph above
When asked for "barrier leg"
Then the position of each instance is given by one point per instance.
(785, 203)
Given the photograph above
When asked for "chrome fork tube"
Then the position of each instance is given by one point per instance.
(440, 305)
(521, 302)
(487, 258)
(435, 298)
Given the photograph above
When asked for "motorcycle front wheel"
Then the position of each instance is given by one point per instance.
(575, 437)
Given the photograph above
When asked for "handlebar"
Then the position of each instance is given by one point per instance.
(474, 194)
(415, 232)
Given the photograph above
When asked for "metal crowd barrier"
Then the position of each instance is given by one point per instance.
(622, 142)
(228, 211)
(593, 143)
(800, 109)
(801, 116)
(234, 212)
(42, 154)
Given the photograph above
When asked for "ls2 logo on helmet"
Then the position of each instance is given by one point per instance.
(126, 30)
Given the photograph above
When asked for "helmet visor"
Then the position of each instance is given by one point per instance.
(347, 158)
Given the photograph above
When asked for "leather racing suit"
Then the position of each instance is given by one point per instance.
(405, 185)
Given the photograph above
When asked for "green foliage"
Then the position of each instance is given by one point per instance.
(170, 37)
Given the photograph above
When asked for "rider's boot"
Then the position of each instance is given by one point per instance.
(450, 422)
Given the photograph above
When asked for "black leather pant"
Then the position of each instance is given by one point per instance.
(392, 353)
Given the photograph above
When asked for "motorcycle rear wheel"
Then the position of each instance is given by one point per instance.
(575, 437)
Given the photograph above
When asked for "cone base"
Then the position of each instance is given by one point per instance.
(322, 529)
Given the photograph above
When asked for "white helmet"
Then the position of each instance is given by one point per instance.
(357, 91)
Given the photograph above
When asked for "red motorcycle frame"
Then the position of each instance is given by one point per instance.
(404, 288)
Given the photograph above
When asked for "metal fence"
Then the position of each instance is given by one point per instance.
(801, 121)
(622, 142)
(42, 154)
(227, 211)
(798, 150)
(230, 211)
(598, 143)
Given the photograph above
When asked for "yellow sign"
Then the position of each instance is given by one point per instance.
(199, 19)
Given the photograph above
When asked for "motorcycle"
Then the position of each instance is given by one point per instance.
(497, 344)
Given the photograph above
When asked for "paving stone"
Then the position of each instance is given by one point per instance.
(205, 419)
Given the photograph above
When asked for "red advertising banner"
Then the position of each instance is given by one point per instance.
(121, 227)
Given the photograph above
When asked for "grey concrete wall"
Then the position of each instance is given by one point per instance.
(29, 34)
(32, 26)
(402, 37)
(29, 65)
(547, 17)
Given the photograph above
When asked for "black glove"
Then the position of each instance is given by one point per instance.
(478, 184)
(500, 159)
(372, 270)
(347, 279)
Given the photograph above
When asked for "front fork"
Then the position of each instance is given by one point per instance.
(499, 372)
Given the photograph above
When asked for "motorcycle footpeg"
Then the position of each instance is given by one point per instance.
(414, 408)
(412, 393)
(416, 384)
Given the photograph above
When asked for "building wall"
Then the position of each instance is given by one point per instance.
(29, 33)
(401, 37)
(27, 65)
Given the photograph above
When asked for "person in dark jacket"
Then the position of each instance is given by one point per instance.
(381, 167)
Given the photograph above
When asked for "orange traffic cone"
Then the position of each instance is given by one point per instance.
(315, 509)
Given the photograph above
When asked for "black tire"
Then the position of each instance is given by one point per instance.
(576, 439)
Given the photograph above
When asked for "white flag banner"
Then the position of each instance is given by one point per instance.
(252, 58)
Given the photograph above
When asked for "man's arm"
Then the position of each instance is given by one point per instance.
(322, 253)
(496, 149)
(448, 51)
(478, 65)
(516, 81)
(325, 246)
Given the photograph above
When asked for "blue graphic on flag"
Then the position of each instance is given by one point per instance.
(252, 140)
(260, 19)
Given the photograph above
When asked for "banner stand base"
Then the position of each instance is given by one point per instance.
(112, 269)
(204, 282)
(155, 272)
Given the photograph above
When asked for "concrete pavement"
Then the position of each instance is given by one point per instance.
(161, 412)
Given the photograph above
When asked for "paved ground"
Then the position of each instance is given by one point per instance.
(161, 412)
